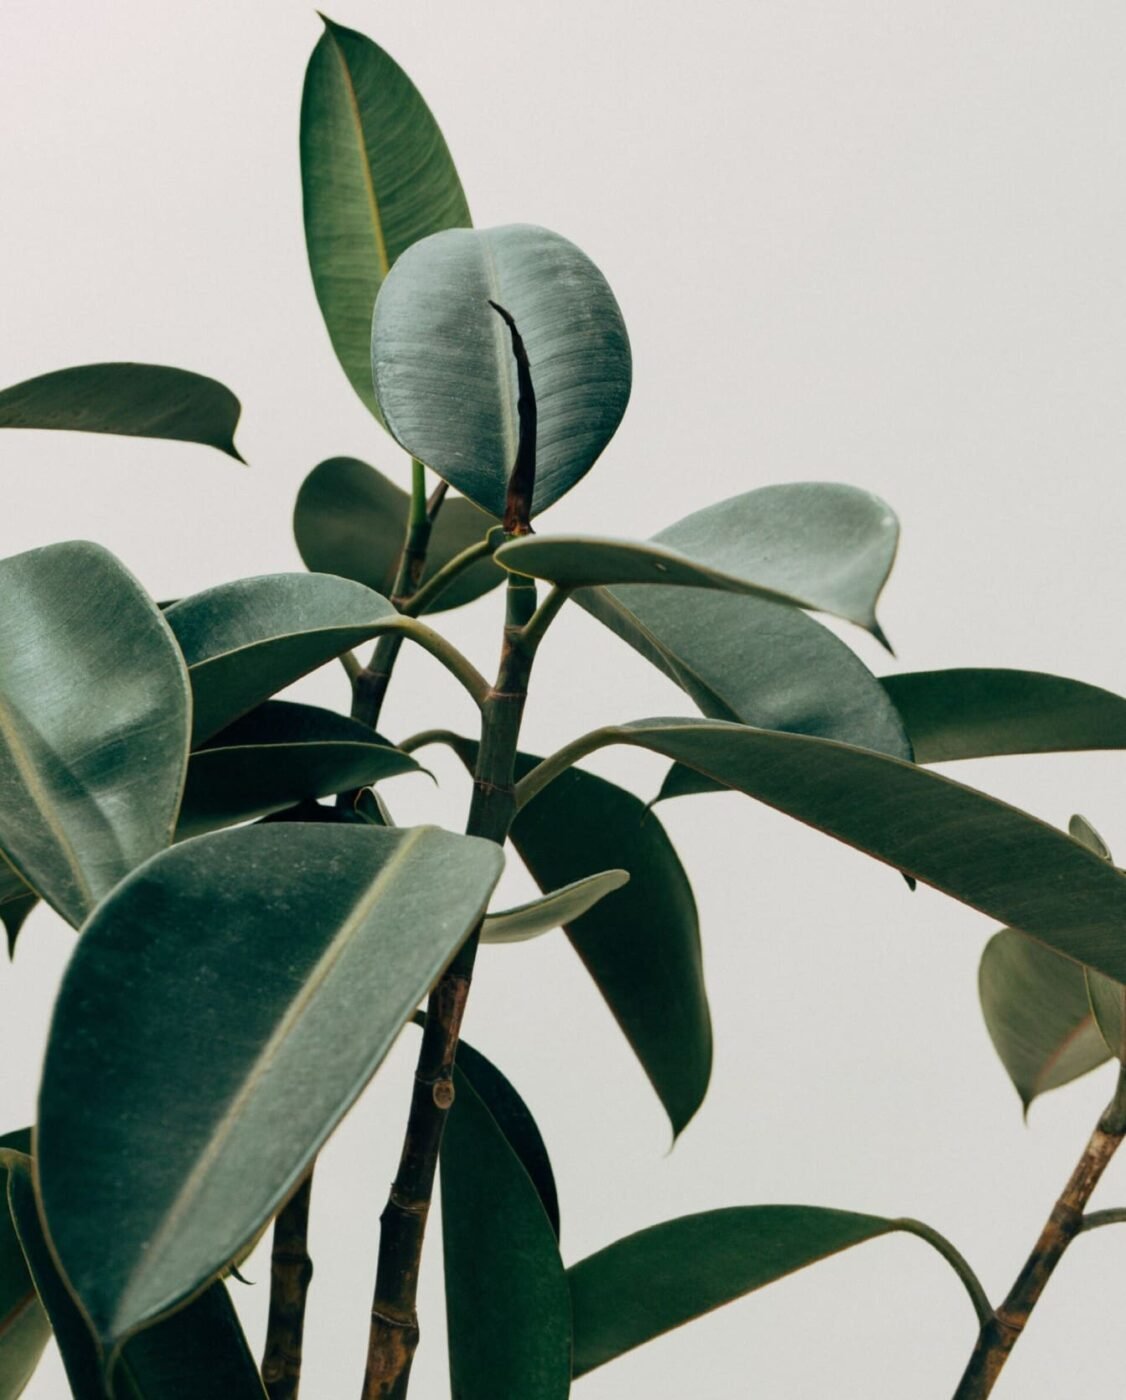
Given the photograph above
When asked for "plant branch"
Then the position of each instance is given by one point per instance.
(441, 580)
(546, 772)
(460, 667)
(291, 1269)
(957, 1261)
(1002, 1329)
(544, 616)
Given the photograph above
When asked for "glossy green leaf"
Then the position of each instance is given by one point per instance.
(977, 713)
(24, 1328)
(552, 910)
(443, 367)
(245, 641)
(254, 979)
(507, 1305)
(997, 859)
(350, 520)
(198, 1351)
(152, 401)
(94, 715)
(812, 545)
(1036, 1011)
(660, 1278)
(276, 756)
(376, 175)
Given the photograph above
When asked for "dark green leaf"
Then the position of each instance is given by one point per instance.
(443, 366)
(198, 1351)
(1035, 1006)
(254, 980)
(279, 755)
(376, 175)
(814, 545)
(16, 903)
(153, 401)
(24, 1328)
(983, 852)
(977, 713)
(507, 1307)
(350, 520)
(94, 715)
(562, 906)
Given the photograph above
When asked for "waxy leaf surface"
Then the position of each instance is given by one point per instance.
(443, 365)
(24, 1328)
(376, 176)
(562, 906)
(94, 716)
(133, 400)
(254, 979)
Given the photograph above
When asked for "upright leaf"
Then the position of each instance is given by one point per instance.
(507, 1304)
(443, 365)
(254, 979)
(350, 520)
(376, 175)
(94, 716)
(24, 1328)
(152, 401)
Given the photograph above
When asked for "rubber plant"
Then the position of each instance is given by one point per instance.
(224, 851)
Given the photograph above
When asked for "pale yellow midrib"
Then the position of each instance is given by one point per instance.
(187, 1194)
(369, 183)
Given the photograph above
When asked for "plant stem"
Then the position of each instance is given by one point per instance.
(437, 584)
(394, 1319)
(1002, 1329)
(290, 1272)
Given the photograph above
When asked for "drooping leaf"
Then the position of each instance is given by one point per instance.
(1035, 1006)
(350, 520)
(660, 1278)
(24, 1328)
(277, 756)
(254, 980)
(813, 545)
(16, 903)
(562, 906)
(134, 400)
(94, 715)
(198, 1351)
(443, 365)
(376, 175)
(991, 856)
(246, 640)
(507, 1305)
(977, 713)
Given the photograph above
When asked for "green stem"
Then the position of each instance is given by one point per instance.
(438, 582)
(545, 615)
(558, 762)
(409, 628)
(1096, 1219)
(957, 1261)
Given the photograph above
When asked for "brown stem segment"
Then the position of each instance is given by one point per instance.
(394, 1319)
(290, 1272)
(1001, 1332)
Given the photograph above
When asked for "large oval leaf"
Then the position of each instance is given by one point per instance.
(254, 980)
(507, 1304)
(376, 175)
(985, 853)
(562, 906)
(1036, 1011)
(134, 400)
(443, 367)
(813, 544)
(90, 773)
(24, 1328)
(198, 1351)
(350, 520)
(246, 640)
(977, 712)
(277, 756)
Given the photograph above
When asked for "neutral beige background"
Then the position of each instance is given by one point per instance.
(874, 242)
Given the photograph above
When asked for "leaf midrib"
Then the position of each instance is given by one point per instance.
(365, 164)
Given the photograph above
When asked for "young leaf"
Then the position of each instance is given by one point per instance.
(94, 715)
(813, 545)
(277, 756)
(1035, 1006)
(977, 713)
(443, 365)
(660, 1278)
(254, 980)
(376, 175)
(351, 521)
(507, 1304)
(152, 401)
(24, 1328)
(562, 906)
(985, 853)
(199, 1350)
